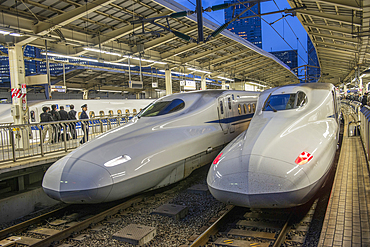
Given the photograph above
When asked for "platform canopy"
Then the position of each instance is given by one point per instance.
(103, 30)
(339, 30)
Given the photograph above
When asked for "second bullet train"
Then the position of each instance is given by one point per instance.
(284, 157)
(161, 145)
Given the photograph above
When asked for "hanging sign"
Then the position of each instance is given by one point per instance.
(23, 89)
(154, 84)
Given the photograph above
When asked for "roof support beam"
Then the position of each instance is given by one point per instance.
(331, 50)
(335, 37)
(329, 28)
(178, 51)
(341, 3)
(346, 47)
(203, 54)
(217, 60)
(64, 19)
(338, 18)
(245, 60)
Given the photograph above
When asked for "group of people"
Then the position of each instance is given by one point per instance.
(54, 130)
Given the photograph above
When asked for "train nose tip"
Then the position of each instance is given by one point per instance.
(73, 180)
(255, 182)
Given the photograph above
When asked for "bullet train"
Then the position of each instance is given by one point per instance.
(96, 108)
(284, 157)
(161, 145)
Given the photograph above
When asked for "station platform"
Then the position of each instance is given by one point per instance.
(346, 220)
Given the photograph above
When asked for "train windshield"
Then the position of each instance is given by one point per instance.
(285, 101)
(279, 102)
(162, 108)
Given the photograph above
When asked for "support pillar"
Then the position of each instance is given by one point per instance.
(17, 78)
(223, 85)
(345, 90)
(168, 81)
(86, 94)
(203, 84)
(360, 87)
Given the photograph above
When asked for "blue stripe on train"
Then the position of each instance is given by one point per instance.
(233, 119)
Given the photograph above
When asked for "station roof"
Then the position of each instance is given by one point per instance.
(71, 27)
(339, 29)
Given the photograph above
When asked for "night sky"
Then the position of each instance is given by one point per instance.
(271, 41)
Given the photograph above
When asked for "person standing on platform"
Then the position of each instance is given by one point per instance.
(84, 124)
(64, 116)
(364, 100)
(56, 117)
(72, 116)
(44, 118)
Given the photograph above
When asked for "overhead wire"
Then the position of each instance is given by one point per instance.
(297, 37)
(277, 32)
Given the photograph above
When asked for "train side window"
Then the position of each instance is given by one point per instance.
(245, 109)
(127, 112)
(134, 112)
(249, 108)
(119, 112)
(301, 99)
(229, 103)
(101, 113)
(239, 109)
(254, 107)
(221, 107)
(79, 114)
(33, 116)
(92, 114)
(110, 113)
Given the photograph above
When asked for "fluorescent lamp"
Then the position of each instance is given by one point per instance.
(172, 72)
(119, 64)
(199, 79)
(70, 57)
(109, 91)
(16, 34)
(201, 71)
(256, 84)
(4, 32)
(75, 89)
(102, 51)
(224, 78)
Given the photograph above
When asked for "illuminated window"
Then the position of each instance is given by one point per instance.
(119, 112)
(245, 108)
(239, 109)
(110, 113)
(92, 114)
(101, 113)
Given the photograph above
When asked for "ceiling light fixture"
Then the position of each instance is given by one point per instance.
(225, 78)
(198, 70)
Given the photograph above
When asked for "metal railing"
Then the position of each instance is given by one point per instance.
(28, 140)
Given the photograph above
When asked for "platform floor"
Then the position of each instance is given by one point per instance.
(346, 220)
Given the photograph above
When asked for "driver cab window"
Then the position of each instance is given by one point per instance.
(163, 107)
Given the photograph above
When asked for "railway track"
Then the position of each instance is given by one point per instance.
(259, 228)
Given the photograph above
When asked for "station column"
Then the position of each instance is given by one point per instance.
(203, 81)
(345, 89)
(17, 78)
(85, 94)
(18, 91)
(168, 81)
(223, 85)
(360, 86)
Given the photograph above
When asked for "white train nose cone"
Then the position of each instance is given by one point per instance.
(73, 180)
(255, 181)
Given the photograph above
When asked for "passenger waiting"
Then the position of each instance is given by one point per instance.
(57, 127)
(46, 117)
(72, 116)
(84, 124)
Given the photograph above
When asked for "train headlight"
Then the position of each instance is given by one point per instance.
(117, 161)
(217, 159)
(303, 158)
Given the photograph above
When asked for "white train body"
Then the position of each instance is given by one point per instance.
(101, 107)
(285, 155)
(164, 144)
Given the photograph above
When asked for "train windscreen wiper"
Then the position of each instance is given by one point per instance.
(268, 103)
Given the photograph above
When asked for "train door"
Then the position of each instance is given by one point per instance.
(225, 112)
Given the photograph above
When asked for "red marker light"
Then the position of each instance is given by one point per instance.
(303, 158)
(217, 159)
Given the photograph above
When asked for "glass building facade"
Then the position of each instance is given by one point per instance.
(249, 28)
(312, 72)
(289, 57)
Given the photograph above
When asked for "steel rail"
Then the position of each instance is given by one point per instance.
(86, 223)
